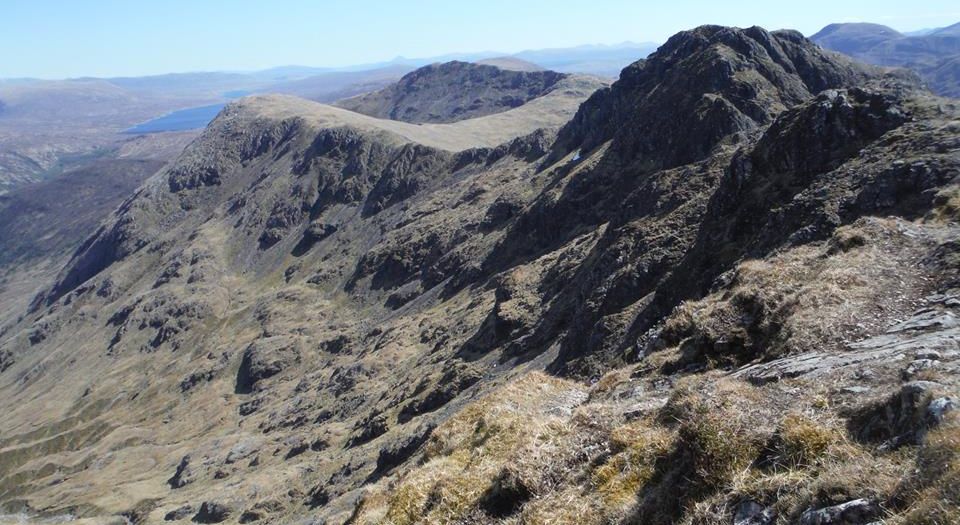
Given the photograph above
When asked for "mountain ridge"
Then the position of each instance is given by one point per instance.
(932, 55)
(318, 315)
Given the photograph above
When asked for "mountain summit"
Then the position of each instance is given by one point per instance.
(723, 289)
(702, 86)
(454, 91)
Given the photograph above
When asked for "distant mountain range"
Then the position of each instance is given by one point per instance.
(933, 53)
(596, 59)
(45, 123)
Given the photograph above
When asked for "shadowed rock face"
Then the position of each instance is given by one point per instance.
(454, 91)
(701, 87)
(324, 292)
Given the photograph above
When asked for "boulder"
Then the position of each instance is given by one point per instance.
(212, 512)
(265, 358)
(178, 513)
(183, 474)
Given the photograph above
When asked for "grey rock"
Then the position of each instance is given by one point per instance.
(752, 513)
(296, 445)
(927, 320)
(265, 358)
(242, 450)
(902, 419)
(929, 355)
(938, 408)
(916, 366)
(644, 408)
(855, 389)
(855, 512)
(317, 231)
(399, 451)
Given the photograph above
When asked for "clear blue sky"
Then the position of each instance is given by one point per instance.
(70, 38)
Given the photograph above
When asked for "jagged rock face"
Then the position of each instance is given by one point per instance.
(651, 216)
(819, 173)
(700, 87)
(454, 91)
(287, 313)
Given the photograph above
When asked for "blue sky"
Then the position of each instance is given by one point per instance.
(70, 38)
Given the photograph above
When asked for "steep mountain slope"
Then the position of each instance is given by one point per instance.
(934, 55)
(454, 91)
(951, 30)
(315, 315)
(42, 223)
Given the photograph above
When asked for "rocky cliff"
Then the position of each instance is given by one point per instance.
(724, 289)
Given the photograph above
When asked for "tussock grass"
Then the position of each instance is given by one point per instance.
(638, 446)
(946, 205)
(512, 458)
(807, 298)
(934, 489)
(466, 455)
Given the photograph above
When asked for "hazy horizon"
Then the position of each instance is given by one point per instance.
(386, 62)
(109, 38)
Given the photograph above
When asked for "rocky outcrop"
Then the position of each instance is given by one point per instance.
(650, 188)
(212, 512)
(265, 358)
(905, 417)
(694, 92)
(183, 474)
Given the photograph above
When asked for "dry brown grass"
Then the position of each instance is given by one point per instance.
(512, 427)
(934, 490)
(637, 447)
(946, 205)
(716, 443)
(806, 443)
(807, 298)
